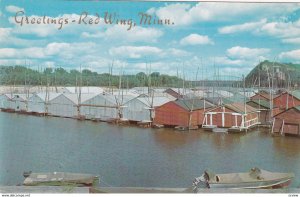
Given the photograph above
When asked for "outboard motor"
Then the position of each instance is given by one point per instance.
(201, 182)
(26, 174)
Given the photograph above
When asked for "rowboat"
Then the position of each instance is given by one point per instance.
(254, 179)
(59, 179)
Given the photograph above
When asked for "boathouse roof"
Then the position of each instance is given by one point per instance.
(52, 95)
(22, 97)
(214, 100)
(240, 107)
(262, 94)
(85, 90)
(157, 101)
(192, 104)
(262, 103)
(146, 100)
(287, 110)
(297, 107)
(296, 93)
(8, 95)
(236, 98)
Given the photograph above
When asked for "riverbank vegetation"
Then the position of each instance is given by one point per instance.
(21, 75)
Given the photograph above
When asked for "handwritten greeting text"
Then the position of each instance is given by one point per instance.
(108, 18)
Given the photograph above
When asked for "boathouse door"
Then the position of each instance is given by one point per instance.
(289, 128)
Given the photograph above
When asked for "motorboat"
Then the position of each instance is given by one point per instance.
(59, 179)
(254, 179)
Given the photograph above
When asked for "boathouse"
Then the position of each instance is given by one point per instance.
(19, 102)
(186, 113)
(263, 107)
(287, 100)
(100, 107)
(6, 103)
(64, 105)
(234, 115)
(38, 103)
(142, 108)
(287, 122)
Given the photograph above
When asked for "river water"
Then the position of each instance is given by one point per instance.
(135, 157)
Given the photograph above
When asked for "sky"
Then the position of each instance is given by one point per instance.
(198, 41)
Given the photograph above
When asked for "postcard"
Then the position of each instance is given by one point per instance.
(149, 97)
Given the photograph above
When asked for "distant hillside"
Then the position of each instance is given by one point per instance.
(281, 73)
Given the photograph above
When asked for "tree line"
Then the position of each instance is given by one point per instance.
(21, 75)
(281, 75)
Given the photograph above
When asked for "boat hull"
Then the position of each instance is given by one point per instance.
(254, 179)
(272, 184)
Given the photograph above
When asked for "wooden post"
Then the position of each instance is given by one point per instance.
(223, 119)
(243, 120)
(235, 120)
(282, 128)
(204, 122)
(273, 126)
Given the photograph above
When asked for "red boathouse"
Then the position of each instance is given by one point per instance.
(233, 116)
(183, 112)
(287, 122)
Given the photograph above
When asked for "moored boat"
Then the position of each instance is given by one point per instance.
(59, 179)
(254, 179)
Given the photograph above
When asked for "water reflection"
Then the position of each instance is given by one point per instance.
(225, 141)
(170, 138)
(288, 146)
